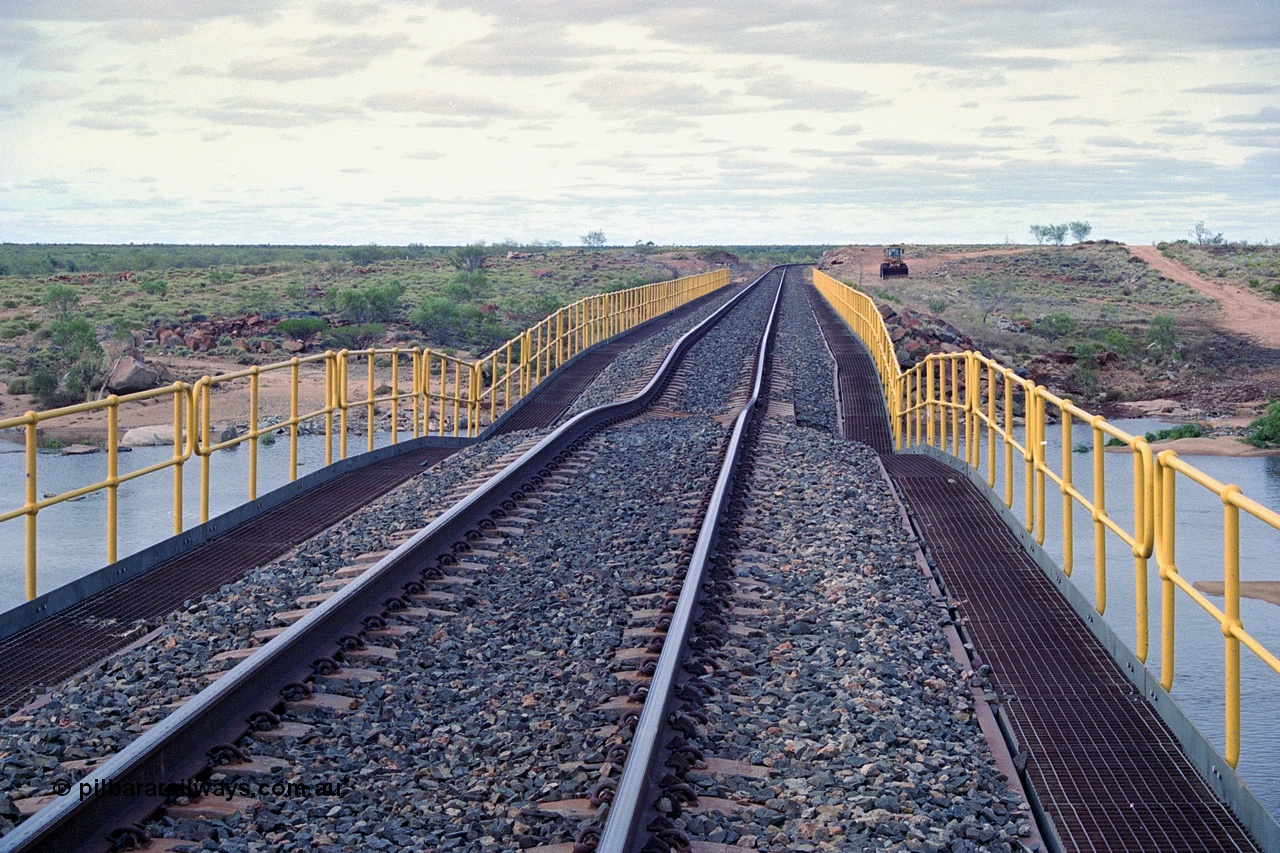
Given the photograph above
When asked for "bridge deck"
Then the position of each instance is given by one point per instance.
(1106, 768)
(64, 643)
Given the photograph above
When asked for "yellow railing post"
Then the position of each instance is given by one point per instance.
(330, 403)
(371, 411)
(113, 476)
(1068, 515)
(205, 418)
(253, 433)
(181, 402)
(344, 401)
(929, 402)
(1099, 510)
(31, 508)
(395, 395)
(1231, 609)
(1142, 519)
(1038, 450)
(293, 419)
(1166, 554)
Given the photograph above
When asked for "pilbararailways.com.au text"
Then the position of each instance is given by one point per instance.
(195, 789)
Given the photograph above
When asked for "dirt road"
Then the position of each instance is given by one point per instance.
(1243, 310)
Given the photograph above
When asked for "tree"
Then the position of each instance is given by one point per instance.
(1056, 233)
(1040, 232)
(1054, 326)
(1162, 337)
(1205, 237)
(79, 355)
(469, 258)
(990, 294)
(593, 239)
(1080, 230)
(61, 300)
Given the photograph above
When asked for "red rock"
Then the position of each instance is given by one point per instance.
(131, 375)
(242, 344)
(266, 346)
(294, 346)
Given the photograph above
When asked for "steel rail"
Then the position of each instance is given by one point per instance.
(175, 749)
(632, 799)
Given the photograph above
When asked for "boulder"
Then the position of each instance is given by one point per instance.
(80, 449)
(168, 337)
(293, 346)
(148, 436)
(131, 375)
(199, 341)
(266, 347)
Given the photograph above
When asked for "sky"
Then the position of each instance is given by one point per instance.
(672, 121)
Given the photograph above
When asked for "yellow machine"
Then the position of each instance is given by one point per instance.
(893, 263)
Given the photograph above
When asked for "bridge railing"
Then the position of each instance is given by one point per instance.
(980, 411)
(422, 391)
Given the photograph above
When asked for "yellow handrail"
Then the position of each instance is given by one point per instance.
(927, 405)
(444, 395)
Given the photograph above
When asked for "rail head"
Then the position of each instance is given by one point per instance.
(631, 799)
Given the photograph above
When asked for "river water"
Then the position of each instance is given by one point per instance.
(73, 543)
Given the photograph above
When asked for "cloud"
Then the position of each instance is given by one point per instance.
(38, 94)
(325, 57)
(1032, 98)
(465, 105)
(848, 130)
(792, 93)
(1180, 128)
(343, 12)
(423, 154)
(1235, 89)
(265, 112)
(1083, 120)
(106, 123)
(639, 94)
(530, 50)
(1119, 142)
(1002, 131)
(920, 148)
(1266, 115)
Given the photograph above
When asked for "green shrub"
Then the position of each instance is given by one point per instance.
(372, 304)
(1181, 431)
(1162, 337)
(1265, 431)
(1118, 342)
(301, 328)
(9, 331)
(154, 288)
(19, 385)
(355, 336)
(1054, 326)
(936, 305)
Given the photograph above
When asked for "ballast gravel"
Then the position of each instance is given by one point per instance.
(799, 348)
(846, 691)
(98, 712)
(634, 367)
(493, 711)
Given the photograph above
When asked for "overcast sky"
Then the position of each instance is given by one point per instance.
(676, 121)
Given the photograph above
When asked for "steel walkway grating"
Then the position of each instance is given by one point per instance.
(1107, 770)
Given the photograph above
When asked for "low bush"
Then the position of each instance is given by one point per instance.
(301, 328)
(1265, 431)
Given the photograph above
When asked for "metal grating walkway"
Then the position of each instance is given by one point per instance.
(1105, 767)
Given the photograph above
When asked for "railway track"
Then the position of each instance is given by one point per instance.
(514, 674)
